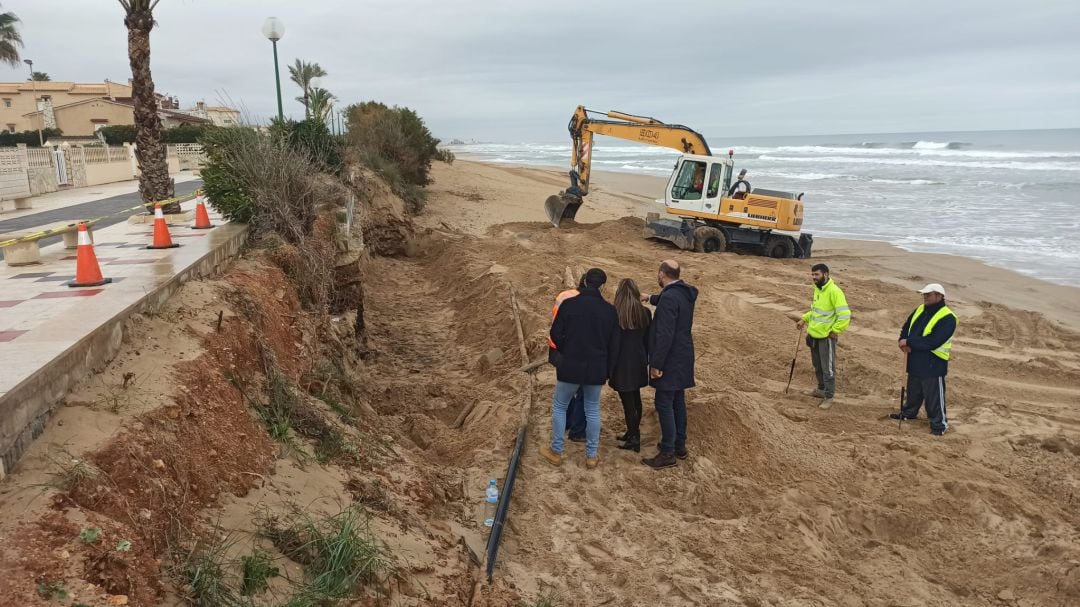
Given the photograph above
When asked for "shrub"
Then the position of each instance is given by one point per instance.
(118, 134)
(313, 138)
(30, 138)
(393, 142)
(185, 133)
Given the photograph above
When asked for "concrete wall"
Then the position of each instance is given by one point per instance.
(108, 172)
(42, 181)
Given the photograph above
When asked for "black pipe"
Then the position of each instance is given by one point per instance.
(504, 503)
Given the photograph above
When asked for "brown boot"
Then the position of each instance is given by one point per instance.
(592, 462)
(555, 459)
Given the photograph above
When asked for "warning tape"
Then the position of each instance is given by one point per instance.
(90, 222)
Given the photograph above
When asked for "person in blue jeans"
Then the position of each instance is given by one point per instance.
(575, 417)
(586, 335)
(671, 361)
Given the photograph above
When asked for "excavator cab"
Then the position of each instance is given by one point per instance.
(697, 184)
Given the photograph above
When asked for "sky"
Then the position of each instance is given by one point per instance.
(514, 71)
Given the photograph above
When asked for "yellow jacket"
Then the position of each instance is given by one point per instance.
(829, 313)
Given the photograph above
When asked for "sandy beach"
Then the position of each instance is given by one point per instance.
(782, 503)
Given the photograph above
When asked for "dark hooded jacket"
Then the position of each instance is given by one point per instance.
(586, 336)
(671, 344)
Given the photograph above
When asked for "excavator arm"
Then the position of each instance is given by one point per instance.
(582, 128)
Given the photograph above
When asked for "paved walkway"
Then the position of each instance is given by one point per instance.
(51, 335)
(73, 206)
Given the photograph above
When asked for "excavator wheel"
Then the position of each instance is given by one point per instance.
(709, 240)
(561, 207)
(780, 247)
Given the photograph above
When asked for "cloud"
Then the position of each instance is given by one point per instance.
(515, 71)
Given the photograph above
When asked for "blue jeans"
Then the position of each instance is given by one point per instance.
(564, 392)
(575, 417)
(671, 409)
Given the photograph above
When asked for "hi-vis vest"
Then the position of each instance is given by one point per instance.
(561, 297)
(944, 349)
(829, 313)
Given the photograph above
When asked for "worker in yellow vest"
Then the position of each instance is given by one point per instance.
(829, 316)
(926, 337)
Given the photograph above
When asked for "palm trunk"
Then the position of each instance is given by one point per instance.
(154, 183)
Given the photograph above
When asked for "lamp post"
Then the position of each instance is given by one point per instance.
(33, 83)
(274, 30)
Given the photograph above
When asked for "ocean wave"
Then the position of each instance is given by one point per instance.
(908, 181)
(925, 152)
(1020, 166)
(939, 145)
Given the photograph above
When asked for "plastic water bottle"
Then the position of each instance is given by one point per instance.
(491, 503)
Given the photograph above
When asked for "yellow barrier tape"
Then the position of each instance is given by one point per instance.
(90, 222)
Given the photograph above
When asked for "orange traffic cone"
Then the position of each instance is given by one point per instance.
(202, 219)
(87, 270)
(162, 240)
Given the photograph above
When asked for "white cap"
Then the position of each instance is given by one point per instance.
(933, 288)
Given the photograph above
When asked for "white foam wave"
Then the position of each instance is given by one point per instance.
(1020, 166)
(932, 145)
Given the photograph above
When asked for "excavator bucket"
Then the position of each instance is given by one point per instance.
(561, 207)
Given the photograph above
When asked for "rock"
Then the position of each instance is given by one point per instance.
(159, 464)
(118, 599)
(1007, 595)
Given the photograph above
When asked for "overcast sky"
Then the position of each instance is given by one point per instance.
(514, 70)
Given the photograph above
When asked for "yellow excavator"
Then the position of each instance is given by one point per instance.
(709, 215)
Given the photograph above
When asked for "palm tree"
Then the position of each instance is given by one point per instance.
(322, 101)
(154, 182)
(302, 73)
(40, 77)
(10, 39)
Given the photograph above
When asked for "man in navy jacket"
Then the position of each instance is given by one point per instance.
(926, 336)
(586, 335)
(671, 360)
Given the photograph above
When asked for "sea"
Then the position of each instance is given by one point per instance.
(1008, 198)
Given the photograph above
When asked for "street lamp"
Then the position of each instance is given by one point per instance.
(274, 29)
(33, 84)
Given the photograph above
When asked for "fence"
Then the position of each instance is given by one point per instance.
(26, 172)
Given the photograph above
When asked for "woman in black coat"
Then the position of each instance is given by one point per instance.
(630, 365)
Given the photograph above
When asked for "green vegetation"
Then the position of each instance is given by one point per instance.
(547, 598)
(52, 590)
(119, 134)
(29, 138)
(395, 143)
(257, 569)
(10, 39)
(338, 552)
(204, 572)
(90, 535)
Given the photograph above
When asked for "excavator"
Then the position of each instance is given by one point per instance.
(705, 218)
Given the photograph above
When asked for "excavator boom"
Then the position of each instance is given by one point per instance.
(582, 127)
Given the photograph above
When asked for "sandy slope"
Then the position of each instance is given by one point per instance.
(782, 503)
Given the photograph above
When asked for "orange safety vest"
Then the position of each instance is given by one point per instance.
(561, 297)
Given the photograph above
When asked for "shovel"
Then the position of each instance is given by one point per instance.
(791, 372)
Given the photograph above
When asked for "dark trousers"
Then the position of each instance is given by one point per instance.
(575, 416)
(631, 407)
(931, 392)
(823, 354)
(671, 409)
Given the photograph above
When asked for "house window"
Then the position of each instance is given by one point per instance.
(11, 128)
(227, 121)
(7, 102)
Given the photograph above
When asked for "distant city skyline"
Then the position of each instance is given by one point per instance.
(515, 71)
